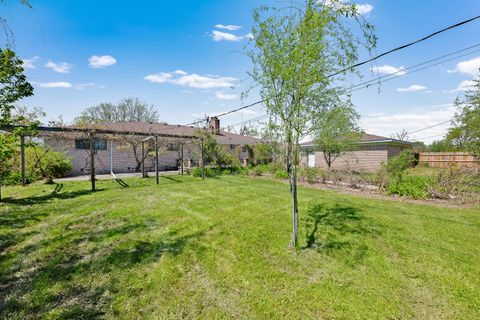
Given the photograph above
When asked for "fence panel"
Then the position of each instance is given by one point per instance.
(445, 159)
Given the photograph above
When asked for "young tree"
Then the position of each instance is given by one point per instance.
(13, 87)
(301, 55)
(402, 135)
(127, 110)
(337, 132)
(465, 133)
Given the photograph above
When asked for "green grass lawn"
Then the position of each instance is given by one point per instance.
(218, 249)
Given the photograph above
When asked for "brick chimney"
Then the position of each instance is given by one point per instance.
(214, 125)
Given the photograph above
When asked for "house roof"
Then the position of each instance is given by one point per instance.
(153, 127)
(366, 139)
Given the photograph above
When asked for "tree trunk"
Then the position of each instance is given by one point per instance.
(0, 192)
(295, 219)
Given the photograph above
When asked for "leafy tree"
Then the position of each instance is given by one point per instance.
(465, 133)
(13, 84)
(444, 145)
(13, 87)
(127, 110)
(301, 55)
(337, 132)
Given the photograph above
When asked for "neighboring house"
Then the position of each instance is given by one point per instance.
(114, 154)
(370, 153)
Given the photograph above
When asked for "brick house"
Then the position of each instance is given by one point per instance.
(370, 153)
(114, 155)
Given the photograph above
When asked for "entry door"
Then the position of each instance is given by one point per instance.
(311, 160)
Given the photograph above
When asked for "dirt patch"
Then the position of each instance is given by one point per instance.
(371, 193)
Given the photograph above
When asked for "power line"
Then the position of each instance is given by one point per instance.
(405, 46)
(403, 71)
(432, 126)
(364, 62)
(423, 138)
(414, 71)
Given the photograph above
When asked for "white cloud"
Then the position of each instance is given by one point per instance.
(82, 86)
(181, 72)
(230, 27)
(419, 117)
(224, 36)
(388, 69)
(249, 36)
(470, 67)
(364, 8)
(30, 63)
(60, 84)
(412, 88)
(193, 80)
(225, 96)
(463, 86)
(61, 67)
(101, 61)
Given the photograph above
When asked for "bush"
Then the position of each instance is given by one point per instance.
(398, 165)
(214, 172)
(281, 174)
(310, 174)
(15, 178)
(410, 186)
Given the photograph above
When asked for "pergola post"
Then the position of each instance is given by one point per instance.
(143, 159)
(203, 161)
(181, 158)
(156, 159)
(22, 155)
(92, 160)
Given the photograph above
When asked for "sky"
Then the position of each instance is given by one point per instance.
(187, 59)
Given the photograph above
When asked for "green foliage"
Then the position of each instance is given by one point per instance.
(264, 153)
(281, 174)
(398, 165)
(409, 186)
(444, 145)
(294, 54)
(465, 133)
(13, 84)
(214, 172)
(129, 109)
(337, 132)
(310, 174)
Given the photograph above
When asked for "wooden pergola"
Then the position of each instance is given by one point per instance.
(91, 132)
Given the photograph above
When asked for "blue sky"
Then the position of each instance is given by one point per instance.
(185, 57)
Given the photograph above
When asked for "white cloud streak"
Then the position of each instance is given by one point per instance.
(48, 85)
(421, 117)
(225, 36)
(225, 96)
(30, 63)
(101, 61)
(388, 69)
(470, 67)
(412, 88)
(364, 9)
(192, 80)
(61, 67)
(230, 27)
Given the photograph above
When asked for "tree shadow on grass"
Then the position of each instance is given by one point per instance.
(170, 178)
(70, 272)
(45, 198)
(339, 230)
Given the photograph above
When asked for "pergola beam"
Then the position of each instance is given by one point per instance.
(99, 131)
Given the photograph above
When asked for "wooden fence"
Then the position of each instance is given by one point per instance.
(445, 159)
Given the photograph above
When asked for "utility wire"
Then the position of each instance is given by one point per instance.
(405, 46)
(404, 71)
(432, 126)
(364, 62)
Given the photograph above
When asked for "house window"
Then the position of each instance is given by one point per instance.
(84, 144)
(244, 149)
(232, 146)
(172, 147)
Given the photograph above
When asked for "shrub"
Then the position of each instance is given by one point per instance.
(410, 186)
(309, 174)
(398, 165)
(281, 174)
